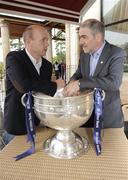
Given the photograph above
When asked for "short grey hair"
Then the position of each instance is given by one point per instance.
(94, 25)
(28, 32)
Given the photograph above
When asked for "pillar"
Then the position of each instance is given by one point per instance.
(68, 51)
(49, 50)
(5, 39)
(5, 48)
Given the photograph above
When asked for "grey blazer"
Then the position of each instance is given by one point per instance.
(108, 77)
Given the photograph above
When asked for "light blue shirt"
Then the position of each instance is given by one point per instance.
(94, 59)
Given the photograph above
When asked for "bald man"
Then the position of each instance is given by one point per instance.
(27, 70)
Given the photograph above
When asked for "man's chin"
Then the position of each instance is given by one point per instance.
(43, 54)
(85, 50)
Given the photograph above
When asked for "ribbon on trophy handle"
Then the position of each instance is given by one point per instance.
(98, 107)
(29, 118)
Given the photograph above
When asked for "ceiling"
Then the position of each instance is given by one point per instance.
(56, 9)
(50, 13)
(17, 25)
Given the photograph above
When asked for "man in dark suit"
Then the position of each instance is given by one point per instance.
(27, 70)
(100, 66)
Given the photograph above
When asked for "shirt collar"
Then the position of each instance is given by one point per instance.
(34, 61)
(99, 51)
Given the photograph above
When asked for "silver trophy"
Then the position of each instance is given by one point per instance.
(64, 114)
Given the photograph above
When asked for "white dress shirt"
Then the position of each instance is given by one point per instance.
(37, 64)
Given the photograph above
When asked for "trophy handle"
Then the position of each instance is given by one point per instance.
(23, 100)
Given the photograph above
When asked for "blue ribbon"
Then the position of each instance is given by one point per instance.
(98, 105)
(29, 126)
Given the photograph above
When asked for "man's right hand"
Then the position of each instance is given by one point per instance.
(72, 88)
(60, 83)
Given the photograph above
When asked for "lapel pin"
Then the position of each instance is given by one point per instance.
(101, 62)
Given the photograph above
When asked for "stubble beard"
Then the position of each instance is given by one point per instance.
(85, 50)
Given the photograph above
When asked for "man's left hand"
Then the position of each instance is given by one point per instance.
(72, 88)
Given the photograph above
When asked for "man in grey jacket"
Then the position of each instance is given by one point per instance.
(100, 66)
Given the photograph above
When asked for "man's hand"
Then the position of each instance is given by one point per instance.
(60, 83)
(72, 89)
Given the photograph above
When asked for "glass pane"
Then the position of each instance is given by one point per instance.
(114, 10)
(118, 35)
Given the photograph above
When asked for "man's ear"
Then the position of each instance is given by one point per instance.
(28, 40)
(98, 37)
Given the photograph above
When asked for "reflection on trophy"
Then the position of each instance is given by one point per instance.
(64, 114)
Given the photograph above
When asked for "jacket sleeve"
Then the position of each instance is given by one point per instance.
(23, 81)
(110, 77)
(77, 75)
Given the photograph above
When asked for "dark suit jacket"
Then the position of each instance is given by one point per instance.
(108, 77)
(21, 77)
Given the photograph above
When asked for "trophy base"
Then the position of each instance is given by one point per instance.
(66, 144)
